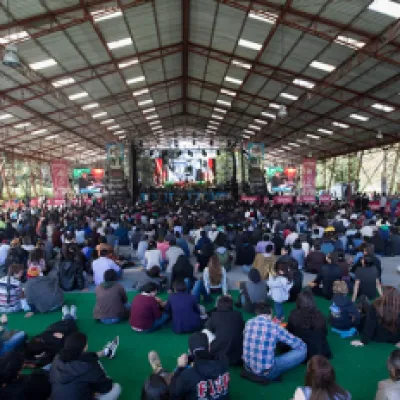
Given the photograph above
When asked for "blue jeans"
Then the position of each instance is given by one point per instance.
(189, 283)
(158, 323)
(284, 363)
(16, 341)
(278, 308)
(246, 268)
(115, 320)
(199, 289)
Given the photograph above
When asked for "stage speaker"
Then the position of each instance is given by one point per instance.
(199, 175)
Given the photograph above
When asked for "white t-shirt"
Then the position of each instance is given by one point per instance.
(383, 201)
(152, 258)
(3, 253)
(101, 265)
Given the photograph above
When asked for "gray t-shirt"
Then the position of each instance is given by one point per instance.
(257, 291)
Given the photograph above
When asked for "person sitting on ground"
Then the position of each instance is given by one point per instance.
(261, 336)
(367, 281)
(102, 264)
(37, 260)
(11, 291)
(199, 375)
(245, 255)
(226, 328)
(182, 243)
(382, 319)
(330, 272)
(298, 253)
(10, 340)
(222, 252)
(183, 270)
(43, 293)
(252, 291)
(262, 244)
(214, 281)
(265, 262)
(111, 300)
(16, 255)
(203, 250)
(308, 323)
(147, 310)
(172, 255)
(297, 287)
(152, 275)
(152, 256)
(78, 374)
(315, 259)
(142, 247)
(185, 311)
(70, 268)
(16, 386)
(344, 315)
(320, 382)
(155, 388)
(163, 246)
(389, 389)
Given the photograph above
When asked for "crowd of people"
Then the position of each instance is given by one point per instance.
(187, 250)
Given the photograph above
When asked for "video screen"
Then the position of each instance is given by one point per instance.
(282, 179)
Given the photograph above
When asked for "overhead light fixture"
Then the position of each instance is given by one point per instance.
(119, 132)
(249, 44)
(149, 110)
(79, 95)
(212, 127)
(233, 80)
(322, 130)
(107, 121)
(100, 114)
(10, 57)
(282, 112)
(249, 132)
(268, 115)
(50, 62)
(22, 125)
(221, 110)
(359, 117)
(304, 83)
(156, 127)
(116, 44)
(349, 42)
(15, 37)
(210, 131)
(322, 66)
(260, 121)
(39, 131)
(127, 64)
(382, 107)
(302, 141)
(103, 15)
(135, 80)
(257, 128)
(122, 137)
(72, 144)
(51, 137)
(154, 122)
(140, 92)
(379, 135)
(240, 64)
(246, 136)
(274, 105)
(387, 7)
(215, 122)
(293, 144)
(63, 82)
(340, 125)
(5, 116)
(89, 106)
(263, 16)
(217, 116)
(223, 102)
(288, 96)
(144, 102)
(313, 136)
(280, 150)
(286, 148)
(112, 128)
(151, 116)
(228, 92)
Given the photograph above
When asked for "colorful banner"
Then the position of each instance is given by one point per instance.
(309, 175)
(249, 199)
(283, 200)
(115, 155)
(59, 176)
(256, 154)
(325, 198)
(306, 199)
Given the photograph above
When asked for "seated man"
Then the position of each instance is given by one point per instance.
(102, 264)
(252, 292)
(261, 336)
(147, 310)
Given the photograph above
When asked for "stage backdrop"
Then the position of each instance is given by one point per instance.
(309, 175)
(59, 176)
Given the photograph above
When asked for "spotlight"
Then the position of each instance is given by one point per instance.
(379, 135)
(10, 58)
(282, 112)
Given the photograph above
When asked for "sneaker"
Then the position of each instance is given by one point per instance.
(111, 348)
(155, 362)
(65, 311)
(73, 312)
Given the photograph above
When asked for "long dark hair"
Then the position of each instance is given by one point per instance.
(321, 378)
(388, 308)
(155, 388)
(307, 312)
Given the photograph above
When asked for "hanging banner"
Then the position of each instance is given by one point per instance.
(115, 155)
(256, 154)
(306, 199)
(59, 176)
(283, 200)
(309, 175)
(325, 198)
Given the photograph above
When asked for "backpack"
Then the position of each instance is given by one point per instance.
(70, 275)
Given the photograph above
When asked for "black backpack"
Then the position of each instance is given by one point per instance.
(70, 275)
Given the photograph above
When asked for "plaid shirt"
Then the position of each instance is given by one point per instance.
(260, 338)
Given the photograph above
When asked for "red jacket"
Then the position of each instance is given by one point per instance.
(144, 311)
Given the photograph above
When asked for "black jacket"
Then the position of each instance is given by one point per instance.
(329, 273)
(344, 313)
(208, 378)
(245, 254)
(182, 269)
(78, 379)
(227, 327)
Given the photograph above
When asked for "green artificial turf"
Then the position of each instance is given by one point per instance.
(358, 369)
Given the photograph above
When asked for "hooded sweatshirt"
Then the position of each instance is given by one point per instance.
(208, 378)
(343, 313)
(78, 379)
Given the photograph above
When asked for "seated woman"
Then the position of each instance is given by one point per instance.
(37, 260)
(111, 300)
(214, 281)
(382, 319)
(152, 275)
(308, 323)
(253, 291)
(297, 287)
(183, 270)
(367, 281)
(155, 388)
(265, 262)
(298, 253)
(10, 340)
(221, 250)
(320, 381)
(78, 374)
(147, 310)
(184, 310)
(390, 388)
(245, 255)
(152, 256)
(226, 326)
(11, 291)
(315, 259)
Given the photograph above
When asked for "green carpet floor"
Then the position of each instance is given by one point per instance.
(358, 369)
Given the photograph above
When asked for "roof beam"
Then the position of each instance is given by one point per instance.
(185, 53)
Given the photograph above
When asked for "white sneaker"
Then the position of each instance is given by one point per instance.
(74, 311)
(65, 311)
(111, 348)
